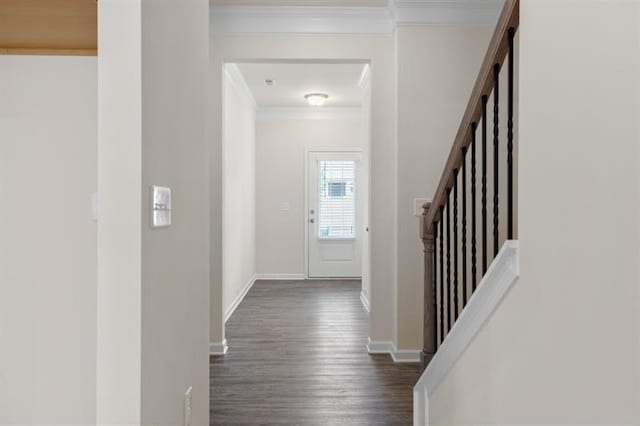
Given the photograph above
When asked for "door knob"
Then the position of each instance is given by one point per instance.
(312, 220)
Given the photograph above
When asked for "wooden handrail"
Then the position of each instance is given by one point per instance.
(496, 54)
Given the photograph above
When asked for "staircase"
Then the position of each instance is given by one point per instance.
(469, 230)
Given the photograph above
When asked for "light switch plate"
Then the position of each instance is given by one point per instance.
(417, 205)
(160, 206)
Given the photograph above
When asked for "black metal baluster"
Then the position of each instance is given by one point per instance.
(496, 156)
(464, 227)
(448, 261)
(435, 275)
(510, 137)
(455, 244)
(441, 274)
(474, 272)
(485, 100)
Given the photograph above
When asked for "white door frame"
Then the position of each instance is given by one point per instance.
(305, 219)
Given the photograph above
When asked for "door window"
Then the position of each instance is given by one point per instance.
(337, 214)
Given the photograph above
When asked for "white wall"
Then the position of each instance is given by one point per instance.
(175, 269)
(153, 287)
(48, 144)
(437, 68)
(119, 224)
(377, 49)
(281, 147)
(239, 229)
(563, 347)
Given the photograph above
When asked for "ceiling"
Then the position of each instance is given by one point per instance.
(332, 3)
(48, 26)
(293, 81)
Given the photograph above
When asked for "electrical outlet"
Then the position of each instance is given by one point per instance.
(187, 407)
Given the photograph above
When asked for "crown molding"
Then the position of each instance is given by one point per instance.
(239, 83)
(319, 20)
(445, 12)
(365, 75)
(247, 20)
(308, 113)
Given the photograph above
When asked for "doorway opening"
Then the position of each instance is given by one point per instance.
(295, 173)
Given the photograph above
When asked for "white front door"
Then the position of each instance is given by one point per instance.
(334, 214)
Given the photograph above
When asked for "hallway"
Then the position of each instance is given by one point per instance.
(297, 355)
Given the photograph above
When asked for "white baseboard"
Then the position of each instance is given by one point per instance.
(365, 301)
(404, 355)
(218, 348)
(389, 348)
(239, 299)
(377, 347)
(501, 276)
(296, 277)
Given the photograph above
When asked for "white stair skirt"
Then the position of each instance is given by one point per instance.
(500, 277)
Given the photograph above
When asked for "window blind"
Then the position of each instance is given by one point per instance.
(337, 199)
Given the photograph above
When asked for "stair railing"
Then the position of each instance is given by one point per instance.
(449, 284)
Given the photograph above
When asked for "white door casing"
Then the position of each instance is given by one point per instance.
(334, 214)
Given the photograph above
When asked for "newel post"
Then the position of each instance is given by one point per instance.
(430, 320)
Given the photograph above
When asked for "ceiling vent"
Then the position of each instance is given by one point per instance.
(269, 82)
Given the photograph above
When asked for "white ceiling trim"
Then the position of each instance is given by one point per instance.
(239, 20)
(446, 12)
(309, 113)
(363, 82)
(237, 80)
(247, 20)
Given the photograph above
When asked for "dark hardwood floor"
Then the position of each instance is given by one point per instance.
(297, 356)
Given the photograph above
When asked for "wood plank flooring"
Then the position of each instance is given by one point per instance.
(297, 356)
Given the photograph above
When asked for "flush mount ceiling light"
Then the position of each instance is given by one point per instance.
(316, 99)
